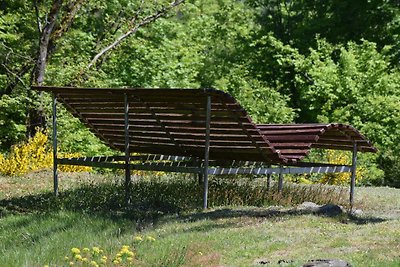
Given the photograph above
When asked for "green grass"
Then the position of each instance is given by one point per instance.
(37, 229)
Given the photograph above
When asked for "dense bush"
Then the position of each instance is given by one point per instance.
(33, 155)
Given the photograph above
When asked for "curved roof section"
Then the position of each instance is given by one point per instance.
(172, 121)
(294, 141)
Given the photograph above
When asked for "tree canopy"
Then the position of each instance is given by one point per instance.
(285, 61)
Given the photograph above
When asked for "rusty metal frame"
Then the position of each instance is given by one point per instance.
(187, 164)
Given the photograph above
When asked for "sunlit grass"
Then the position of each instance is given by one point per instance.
(238, 230)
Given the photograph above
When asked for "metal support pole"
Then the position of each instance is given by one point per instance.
(280, 182)
(206, 151)
(268, 182)
(127, 153)
(55, 163)
(353, 174)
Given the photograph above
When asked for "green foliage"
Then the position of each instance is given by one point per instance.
(299, 22)
(352, 84)
(12, 116)
(263, 104)
(296, 61)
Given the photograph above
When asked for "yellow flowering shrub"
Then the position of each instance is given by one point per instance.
(72, 168)
(145, 174)
(339, 157)
(32, 155)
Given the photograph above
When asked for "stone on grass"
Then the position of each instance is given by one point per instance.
(327, 263)
(326, 210)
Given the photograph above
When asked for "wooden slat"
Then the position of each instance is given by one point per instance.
(331, 141)
(186, 142)
(182, 129)
(185, 136)
(293, 138)
(290, 145)
(292, 132)
(177, 124)
(290, 126)
(160, 111)
(164, 117)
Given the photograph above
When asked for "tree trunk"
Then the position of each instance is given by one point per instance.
(36, 118)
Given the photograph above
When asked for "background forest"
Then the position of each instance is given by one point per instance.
(285, 61)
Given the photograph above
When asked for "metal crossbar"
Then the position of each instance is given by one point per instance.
(194, 167)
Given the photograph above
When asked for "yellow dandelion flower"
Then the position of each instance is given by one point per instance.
(137, 238)
(129, 259)
(71, 263)
(84, 259)
(96, 250)
(93, 263)
(75, 251)
(130, 254)
(85, 250)
(78, 257)
(150, 238)
(46, 265)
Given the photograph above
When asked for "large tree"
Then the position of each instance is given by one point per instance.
(32, 32)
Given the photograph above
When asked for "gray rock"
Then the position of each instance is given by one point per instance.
(327, 263)
(356, 212)
(326, 210)
(308, 206)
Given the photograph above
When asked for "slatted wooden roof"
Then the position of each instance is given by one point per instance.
(172, 121)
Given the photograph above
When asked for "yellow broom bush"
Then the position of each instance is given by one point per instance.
(339, 157)
(34, 154)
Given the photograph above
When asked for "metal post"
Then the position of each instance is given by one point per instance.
(206, 151)
(127, 153)
(280, 182)
(55, 163)
(268, 182)
(353, 174)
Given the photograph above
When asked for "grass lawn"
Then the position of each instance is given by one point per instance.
(163, 227)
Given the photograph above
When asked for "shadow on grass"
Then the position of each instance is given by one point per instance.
(154, 200)
(276, 213)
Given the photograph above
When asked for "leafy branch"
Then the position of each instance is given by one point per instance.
(135, 27)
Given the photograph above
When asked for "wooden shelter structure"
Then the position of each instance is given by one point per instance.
(200, 131)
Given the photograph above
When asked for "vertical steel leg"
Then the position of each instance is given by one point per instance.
(353, 174)
(280, 182)
(268, 182)
(127, 153)
(55, 163)
(206, 152)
